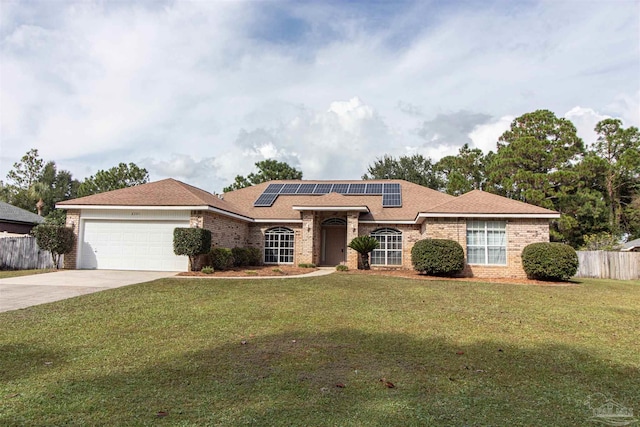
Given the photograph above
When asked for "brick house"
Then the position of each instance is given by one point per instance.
(295, 222)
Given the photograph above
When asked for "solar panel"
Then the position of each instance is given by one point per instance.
(340, 188)
(374, 189)
(273, 189)
(357, 188)
(393, 188)
(306, 189)
(391, 200)
(323, 189)
(289, 189)
(266, 199)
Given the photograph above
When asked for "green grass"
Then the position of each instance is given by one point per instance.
(4, 274)
(531, 355)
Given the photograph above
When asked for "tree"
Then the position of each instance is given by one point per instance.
(268, 170)
(121, 176)
(463, 172)
(33, 180)
(619, 151)
(27, 171)
(364, 245)
(417, 169)
(535, 159)
(56, 239)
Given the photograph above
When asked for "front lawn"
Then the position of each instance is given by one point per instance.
(312, 352)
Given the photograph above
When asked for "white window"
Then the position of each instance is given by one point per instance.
(390, 250)
(487, 242)
(278, 246)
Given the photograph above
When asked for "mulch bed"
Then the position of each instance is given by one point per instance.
(283, 270)
(254, 271)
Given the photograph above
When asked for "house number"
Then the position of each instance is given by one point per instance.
(135, 213)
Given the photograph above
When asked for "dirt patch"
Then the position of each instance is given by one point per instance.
(255, 271)
(412, 274)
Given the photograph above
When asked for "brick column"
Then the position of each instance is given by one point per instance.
(352, 232)
(308, 237)
(73, 220)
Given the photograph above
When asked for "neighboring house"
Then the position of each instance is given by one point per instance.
(631, 246)
(295, 222)
(15, 220)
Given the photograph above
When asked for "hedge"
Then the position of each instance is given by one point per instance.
(191, 242)
(437, 257)
(549, 261)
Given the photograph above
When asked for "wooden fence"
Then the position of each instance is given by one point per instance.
(23, 253)
(609, 265)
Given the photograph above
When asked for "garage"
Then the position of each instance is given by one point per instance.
(110, 244)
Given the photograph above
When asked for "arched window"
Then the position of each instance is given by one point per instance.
(278, 246)
(390, 250)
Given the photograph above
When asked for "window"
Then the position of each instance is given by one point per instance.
(278, 246)
(487, 242)
(390, 250)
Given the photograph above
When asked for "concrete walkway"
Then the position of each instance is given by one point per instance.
(26, 291)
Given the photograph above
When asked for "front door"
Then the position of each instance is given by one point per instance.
(334, 245)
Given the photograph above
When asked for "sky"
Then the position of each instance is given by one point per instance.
(202, 90)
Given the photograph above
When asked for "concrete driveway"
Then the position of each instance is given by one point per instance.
(25, 291)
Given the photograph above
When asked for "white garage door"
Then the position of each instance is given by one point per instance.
(131, 245)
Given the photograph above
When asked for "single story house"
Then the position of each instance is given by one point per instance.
(302, 221)
(15, 220)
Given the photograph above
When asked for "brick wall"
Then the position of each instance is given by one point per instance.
(225, 232)
(520, 233)
(73, 221)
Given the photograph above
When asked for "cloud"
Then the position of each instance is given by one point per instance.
(585, 120)
(485, 136)
(203, 90)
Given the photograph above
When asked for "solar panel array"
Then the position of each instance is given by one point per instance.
(391, 192)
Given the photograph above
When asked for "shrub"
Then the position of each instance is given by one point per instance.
(549, 261)
(56, 239)
(240, 256)
(363, 245)
(207, 270)
(191, 242)
(437, 257)
(221, 258)
(342, 267)
(254, 256)
(307, 265)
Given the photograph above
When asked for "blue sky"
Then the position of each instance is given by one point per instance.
(200, 91)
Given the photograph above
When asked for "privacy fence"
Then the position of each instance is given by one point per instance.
(609, 265)
(23, 253)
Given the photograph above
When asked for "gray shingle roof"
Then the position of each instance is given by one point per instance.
(10, 213)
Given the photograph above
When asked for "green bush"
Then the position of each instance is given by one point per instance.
(207, 270)
(549, 261)
(342, 267)
(307, 265)
(254, 256)
(437, 257)
(191, 242)
(221, 258)
(240, 256)
(56, 239)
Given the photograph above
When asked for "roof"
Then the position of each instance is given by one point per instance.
(418, 202)
(477, 202)
(631, 245)
(10, 213)
(415, 198)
